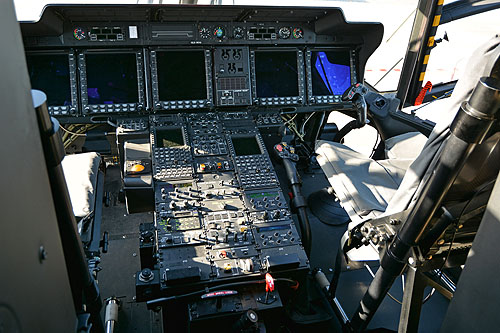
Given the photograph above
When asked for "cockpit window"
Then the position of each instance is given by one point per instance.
(458, 39)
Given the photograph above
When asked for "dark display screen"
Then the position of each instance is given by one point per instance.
(169, 138)
(331, 72)
(181, 75)
(246, 146)
(112, 78)
(276, 73)
(50, 74)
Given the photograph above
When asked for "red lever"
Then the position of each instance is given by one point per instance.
(269, 283)
(425, 89)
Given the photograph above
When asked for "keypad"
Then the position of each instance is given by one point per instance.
(172, 163)
(255, 171)
(204, 145)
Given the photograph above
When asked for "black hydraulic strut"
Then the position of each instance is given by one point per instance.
(83, 286)
(286, 153)
(469, 128)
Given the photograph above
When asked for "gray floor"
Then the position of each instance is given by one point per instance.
(121, 263)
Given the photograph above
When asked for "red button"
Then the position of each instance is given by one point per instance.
(279, 148)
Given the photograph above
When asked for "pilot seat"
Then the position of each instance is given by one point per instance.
(368, 188)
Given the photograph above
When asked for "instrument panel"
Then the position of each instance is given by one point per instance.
(123, 67)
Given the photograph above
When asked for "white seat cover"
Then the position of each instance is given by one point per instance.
(80, 171)
(367, 188)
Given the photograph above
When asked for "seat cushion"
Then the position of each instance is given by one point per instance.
(80, 171)
(363, 186)
(405, 146)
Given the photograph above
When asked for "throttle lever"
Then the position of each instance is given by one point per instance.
(356, 93)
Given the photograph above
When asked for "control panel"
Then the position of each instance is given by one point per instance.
(227, 218)
(266, 119)
(158, 59)
(172, 157)
(133, 124)
(269, 235)
(206, 136)
(232, 76)
(264, 32)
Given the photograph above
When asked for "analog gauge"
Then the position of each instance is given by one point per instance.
(284, 33)
(79, 33)
(298, 33)
(238, 33)
(219, 32)
(204, 33)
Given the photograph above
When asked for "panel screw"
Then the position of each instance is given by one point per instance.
(42, 253)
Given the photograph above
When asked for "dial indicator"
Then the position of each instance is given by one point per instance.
(238, 33)
(204, 33)
(79, 33)
(284, 32)
(298, 33)
(219, 32)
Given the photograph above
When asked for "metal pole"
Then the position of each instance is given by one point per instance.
(469, 128)
(412, 301)
(83, 286)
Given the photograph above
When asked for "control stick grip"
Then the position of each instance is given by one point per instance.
(356, 93)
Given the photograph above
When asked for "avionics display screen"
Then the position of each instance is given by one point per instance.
(246, 146)
(50, 74)
(330, 72)
(169, 138)
(276, 73)
(181, 75)
(112, 78)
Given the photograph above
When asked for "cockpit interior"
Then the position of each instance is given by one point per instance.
(180, 168)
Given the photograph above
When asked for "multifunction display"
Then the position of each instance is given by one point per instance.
(111, 78)
(55, 75)
(331, 72)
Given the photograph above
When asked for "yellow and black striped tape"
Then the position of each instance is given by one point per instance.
(432, 34)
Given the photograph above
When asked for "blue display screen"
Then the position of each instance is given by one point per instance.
(331, 72)
(272, 228)
(112, 78)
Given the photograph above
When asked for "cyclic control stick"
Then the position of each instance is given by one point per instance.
(286, 153)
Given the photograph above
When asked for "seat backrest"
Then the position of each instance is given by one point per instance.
(485, 61)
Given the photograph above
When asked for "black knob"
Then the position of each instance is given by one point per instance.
(146, 275)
